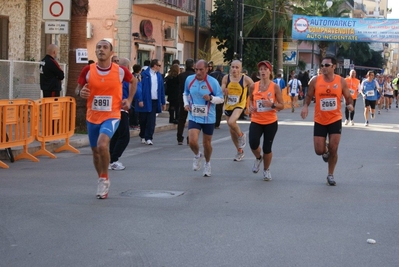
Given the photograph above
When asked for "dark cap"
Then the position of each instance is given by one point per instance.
(267, 64)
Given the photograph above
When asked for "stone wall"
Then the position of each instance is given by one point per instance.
(15, 10)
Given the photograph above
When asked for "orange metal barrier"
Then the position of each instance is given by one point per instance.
(56, 120)
(16, 124)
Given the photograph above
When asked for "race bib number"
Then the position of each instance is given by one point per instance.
(260, 107)
(327, 104)
(351, 91)
(199, 110)
(232, 99)
(370, 93)
(102, 103)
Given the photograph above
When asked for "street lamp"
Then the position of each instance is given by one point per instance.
(329, 3)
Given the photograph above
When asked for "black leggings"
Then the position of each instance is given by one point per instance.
(268, 131)
(352, 113)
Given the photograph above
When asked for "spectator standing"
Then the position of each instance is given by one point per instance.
(395, 89)
(101, 85)
(172, 91)
(210, 67)
(304, 81)
(51, 73)
(218, 75)
(151, 100)
(121, 137)
(133, 115)
(201, 93)
(182, 112)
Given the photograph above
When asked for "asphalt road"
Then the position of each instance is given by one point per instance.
(161, 213)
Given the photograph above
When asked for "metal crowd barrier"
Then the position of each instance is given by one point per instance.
(17, 126)
(46, 119)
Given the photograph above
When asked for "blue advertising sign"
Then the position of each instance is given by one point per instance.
(345, 29)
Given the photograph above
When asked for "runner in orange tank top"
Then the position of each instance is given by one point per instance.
(264, 99)
(353, 85)
(101, 85)
(327, 89)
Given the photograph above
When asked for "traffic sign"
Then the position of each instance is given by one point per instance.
(56, 9)
(56, 27)
(346, 63)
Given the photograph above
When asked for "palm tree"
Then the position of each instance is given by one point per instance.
(263, 17)
(79, 12)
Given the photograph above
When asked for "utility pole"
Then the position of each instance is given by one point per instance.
(273, 29)
(196, 31)
(235, 28)
(241, 37)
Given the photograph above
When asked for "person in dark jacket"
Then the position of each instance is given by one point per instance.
(51, 73)
(172, 90)
(182, 112)
(218, 75)
(150, 100)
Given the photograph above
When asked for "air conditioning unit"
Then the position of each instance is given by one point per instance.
(89, 30)
(170, 34)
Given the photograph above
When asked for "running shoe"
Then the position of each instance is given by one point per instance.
(326, 155)
(396, 105)
(102, 188)
(346, 122)
(239, 156)
(292, 109)
(372, 114)
(256, 166)
(352, 123)
(116, 166)
(242, 141)
(267, 176)
(207, 169)
(143, 141)
(149, 142)
(330, 180)
(180, 143)
(366, 123)
(197, 162)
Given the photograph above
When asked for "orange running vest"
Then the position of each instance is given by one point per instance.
(353, 85)
(263, 115)
(105, 99)
(328, 100)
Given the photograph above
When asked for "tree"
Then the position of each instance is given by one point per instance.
(79, 10)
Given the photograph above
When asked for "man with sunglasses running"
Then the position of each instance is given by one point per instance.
(327, 89)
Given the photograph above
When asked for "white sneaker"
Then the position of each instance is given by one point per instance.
(267, 176)
(255, 168)
(207, 169)
(143, 141)
(239, 156)
(242, 141)
(116, 166)
(352, 123)
(346, 122)
(103, 188)
(149, 142)
(197, 162)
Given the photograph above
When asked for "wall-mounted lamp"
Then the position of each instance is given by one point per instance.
(136, 34)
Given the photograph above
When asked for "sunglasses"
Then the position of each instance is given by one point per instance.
(326, 65)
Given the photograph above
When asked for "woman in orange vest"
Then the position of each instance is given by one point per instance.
(265, 99)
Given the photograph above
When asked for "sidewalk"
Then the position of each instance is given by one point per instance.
(82, 140)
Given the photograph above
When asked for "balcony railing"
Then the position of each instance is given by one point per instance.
(171, 7)
(204, 21)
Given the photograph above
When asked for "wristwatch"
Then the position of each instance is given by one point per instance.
(273, 105)
(78, 92)
(210, 97)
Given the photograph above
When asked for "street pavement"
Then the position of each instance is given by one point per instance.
(161, 213)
